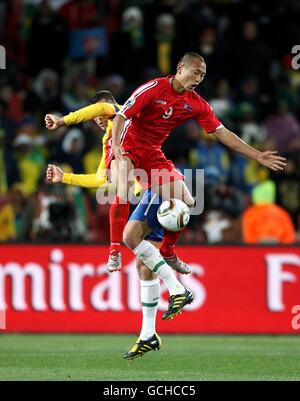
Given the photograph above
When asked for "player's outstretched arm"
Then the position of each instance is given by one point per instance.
(96, 110)
(268, 159)
(55, 175)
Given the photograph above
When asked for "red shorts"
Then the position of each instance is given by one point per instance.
(151, 166)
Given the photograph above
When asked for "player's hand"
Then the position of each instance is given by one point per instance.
(53, 122)
(54, 174)
(118, 152)
(271, 160)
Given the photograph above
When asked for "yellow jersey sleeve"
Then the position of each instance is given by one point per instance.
(89, 112)
(84, 180)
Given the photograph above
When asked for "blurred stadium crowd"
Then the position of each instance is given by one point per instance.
(60, 52)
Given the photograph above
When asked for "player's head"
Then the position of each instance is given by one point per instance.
(103, 96)
(191, 70)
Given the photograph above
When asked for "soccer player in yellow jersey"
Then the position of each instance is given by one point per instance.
(102, 110)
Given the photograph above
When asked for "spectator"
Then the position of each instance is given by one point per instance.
(6, 124)
(3, 11)
(75, 97)
(13, 101)
(9, 172)
(208, 47)
(221, 228)
(7, 220)
(73, 146)
(44, 95)
(251, 131)
(18, 200)
(222, 103)
(30, 162)
(221, 197)
(47, 31)
(252, 57)
(244, 173)
(224, 205)
(249, 96)
(79, 14)
(265, 222)
(164, 42)
(288, 187)
(283, 130)
(128, 52)
(116, 84)
(51, 215)
(209, 152)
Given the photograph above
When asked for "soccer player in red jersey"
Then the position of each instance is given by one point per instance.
(139, 130)
(102, 110)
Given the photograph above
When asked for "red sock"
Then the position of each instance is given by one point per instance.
(167, 248)
(118, 216)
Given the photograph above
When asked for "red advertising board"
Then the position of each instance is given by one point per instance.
(53, 288)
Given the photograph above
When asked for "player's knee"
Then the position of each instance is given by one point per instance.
(130, 242)
(131, 239)
(144, 272)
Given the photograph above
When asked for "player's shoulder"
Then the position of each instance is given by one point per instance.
(196, 97)
(198, 100)
(151, 88)
(148, 85)
(165, 82)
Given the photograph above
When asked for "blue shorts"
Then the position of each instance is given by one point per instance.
(146, 211)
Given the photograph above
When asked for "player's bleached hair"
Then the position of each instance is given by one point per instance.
(189, 56)
(103, 94)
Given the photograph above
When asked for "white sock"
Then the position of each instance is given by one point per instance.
(150, 291)
(153, 259)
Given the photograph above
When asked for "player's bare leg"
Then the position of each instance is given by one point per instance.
(179, 296)
(175, 189)
(150, 291)
(119, 212)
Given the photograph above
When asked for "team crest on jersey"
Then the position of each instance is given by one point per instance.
(160, 101)
(130, 102)
(187, 107)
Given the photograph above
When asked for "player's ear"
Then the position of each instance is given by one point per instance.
(180, 67)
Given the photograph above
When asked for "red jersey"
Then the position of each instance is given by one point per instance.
(155, 109)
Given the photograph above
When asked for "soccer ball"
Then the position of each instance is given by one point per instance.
(173, 215)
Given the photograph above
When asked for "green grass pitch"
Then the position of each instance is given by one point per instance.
(182, 357)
